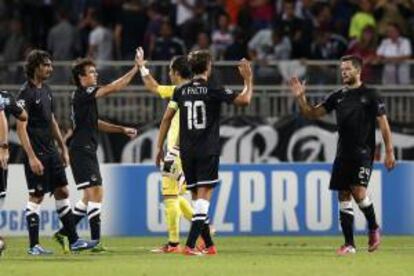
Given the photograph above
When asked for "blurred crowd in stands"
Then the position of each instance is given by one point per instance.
(266, 31)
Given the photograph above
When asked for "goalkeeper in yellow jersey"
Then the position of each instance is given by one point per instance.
(173, 180)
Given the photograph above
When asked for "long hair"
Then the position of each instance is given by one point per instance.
(35, 59)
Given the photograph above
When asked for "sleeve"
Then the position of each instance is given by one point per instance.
(93, 38)
(330, 102)
(406, 48)
(381, 49)
(1, 103)
(226, 95)
(174, 101)
(378, 104)
(14, 108)
(166, 91)
(24, 100)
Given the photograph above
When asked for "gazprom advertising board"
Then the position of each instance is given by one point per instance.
(277, 199)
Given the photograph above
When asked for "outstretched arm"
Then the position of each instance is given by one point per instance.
(245, 97)
(389, 161)
(308, 111)
(118, 84)
(149, 82)
(112, 128)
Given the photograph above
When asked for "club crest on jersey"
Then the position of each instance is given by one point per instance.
(228, 91)
(21, 103)
(90, 89)
(364, 100)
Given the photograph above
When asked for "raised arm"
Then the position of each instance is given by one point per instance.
(112, 128)
(149, 82)
(118, 84)
(245, 97)
(164, 127)
(389, 161)
(308, 111)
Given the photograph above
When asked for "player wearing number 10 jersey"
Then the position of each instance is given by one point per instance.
(199, 104)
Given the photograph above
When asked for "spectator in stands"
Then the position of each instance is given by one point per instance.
(166, 46)
(184, 11)
(14, 49)
(299, 33)
(397, 11)
(366, 48)
(203, 43)
(153, 27)
(84, 29)
(361, 19)
(130, 29)
(394, 51)
(328, 45)
(63, 40)
(16, 43)
(238, 49)
(342, 12)
(222, 37)
(196, 24)
(101, 46)
(267, 46)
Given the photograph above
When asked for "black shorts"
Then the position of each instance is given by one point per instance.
(200, 171)
(3, 183)
(348, 173)
(85, 168)
(54, 175)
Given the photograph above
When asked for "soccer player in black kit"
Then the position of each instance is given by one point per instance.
(358, 108)
(44, 164)
(199, 141)
(84, 142)
(9, 107)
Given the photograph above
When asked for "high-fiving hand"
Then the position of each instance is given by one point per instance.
(297, 87)
(245, 69)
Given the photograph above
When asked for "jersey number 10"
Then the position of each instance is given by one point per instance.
(194, 109)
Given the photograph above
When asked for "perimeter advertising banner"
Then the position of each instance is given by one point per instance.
(273, 199)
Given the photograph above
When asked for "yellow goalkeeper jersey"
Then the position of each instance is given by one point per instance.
(167, 91)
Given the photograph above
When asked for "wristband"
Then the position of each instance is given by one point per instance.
(144, 71)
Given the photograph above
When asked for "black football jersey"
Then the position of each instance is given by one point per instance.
(200, 106)
(356, 113)
(38, 103)
(85, 118)
(10, 105)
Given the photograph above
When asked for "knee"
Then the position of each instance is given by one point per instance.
(344, 196)
(61, 193)
(36, 198)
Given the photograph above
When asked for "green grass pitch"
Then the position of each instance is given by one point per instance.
(239, 256)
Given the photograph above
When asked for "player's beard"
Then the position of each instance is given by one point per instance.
(350, 81)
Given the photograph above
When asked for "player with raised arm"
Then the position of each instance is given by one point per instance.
(173, 180)
(358, 108)
(200, 107)
(84, 143)
(44, 164)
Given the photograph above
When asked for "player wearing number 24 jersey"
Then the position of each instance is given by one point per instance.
(357, 109)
